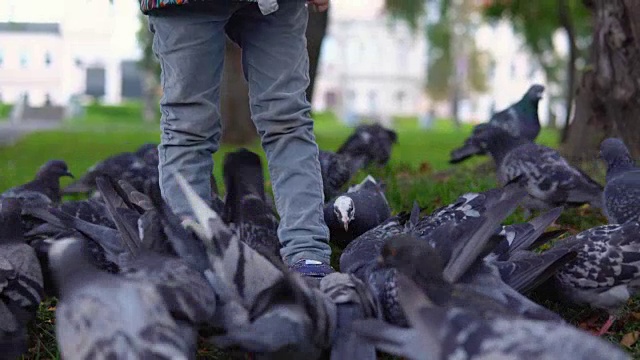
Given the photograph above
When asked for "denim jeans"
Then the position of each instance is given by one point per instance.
(189, 42)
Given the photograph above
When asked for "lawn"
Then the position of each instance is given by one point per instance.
(418, 170)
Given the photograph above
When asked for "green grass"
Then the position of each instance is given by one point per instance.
(5, 110)
(418, 171)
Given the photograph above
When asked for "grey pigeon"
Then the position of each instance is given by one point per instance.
(459, 333)
(622, 190)
(21, 283)
(44, 189)
(134, 167)
(104, 315)
(337, 170)
(264, 308)
(549, 179)
(185, 290)
(452, 275)
(246, 206)
(374, 142)
(354, 301)
(606, 271)
(360, 209)
(519, 120)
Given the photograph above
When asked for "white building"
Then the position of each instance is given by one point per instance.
(513, 71)
(31, 61)
(370, 66)
(80, 52)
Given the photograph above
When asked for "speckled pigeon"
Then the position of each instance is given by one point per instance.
(549, 179)
(109, 316)
(459, 333)
(151, 258)
(361, 208)
(264, 308)
(44, 189)
(246, 208)
(519, 120)
(622, 190)
(21, 283)
(606, 272)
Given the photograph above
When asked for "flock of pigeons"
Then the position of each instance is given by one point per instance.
(134, 281)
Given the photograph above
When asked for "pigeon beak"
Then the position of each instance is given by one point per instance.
(69, 174)
(380, 261)
(345, 223)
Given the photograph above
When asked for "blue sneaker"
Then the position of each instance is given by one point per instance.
(312, 270)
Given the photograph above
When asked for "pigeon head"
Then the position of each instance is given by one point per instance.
(344, 209)
(413, 257)
(615, 153)
(10, 205)
(535, 92)
(495, 140)
(54, 168)
(148, 153)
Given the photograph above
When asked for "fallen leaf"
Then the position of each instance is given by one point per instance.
(636, 315)
(630, 338)
(425, 167)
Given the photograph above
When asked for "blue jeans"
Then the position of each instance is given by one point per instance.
(189, 42)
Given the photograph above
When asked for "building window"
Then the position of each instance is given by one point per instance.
(47, 99)
(373, 101)
(330, 99)
(47, 59)
(400, 98)
(24, 59)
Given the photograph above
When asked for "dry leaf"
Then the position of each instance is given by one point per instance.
(635, 315)
(630, 338)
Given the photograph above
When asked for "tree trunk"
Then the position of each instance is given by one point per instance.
(316, 30)
(567, 23)
(608, 100)
(149, 96)
(237, 126)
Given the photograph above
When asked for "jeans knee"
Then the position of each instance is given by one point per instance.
(190, 126)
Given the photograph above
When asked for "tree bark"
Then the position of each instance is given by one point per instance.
(316, 31)
(149, 96)
(567, 23)
(237, 126)
(608, 101)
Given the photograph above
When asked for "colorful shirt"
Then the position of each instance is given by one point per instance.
(266, 6)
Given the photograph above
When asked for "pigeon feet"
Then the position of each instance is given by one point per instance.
(603, 330)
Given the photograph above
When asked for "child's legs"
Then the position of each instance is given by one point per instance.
(276, 65)
(190, 47)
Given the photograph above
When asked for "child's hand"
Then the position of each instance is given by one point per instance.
(320, 5)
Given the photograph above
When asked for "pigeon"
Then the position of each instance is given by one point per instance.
(102, 315)
(606, 271)
(454, 333)
(373, 141)
(264, 308)
(246, 205)
(520, 120)
(44, 189)
(134, 167)
(549, 179)
(185, 290)
(354, 301)
(361, 208)
(622, 188)
(480, 287)
(337, 170)
(21, 283)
